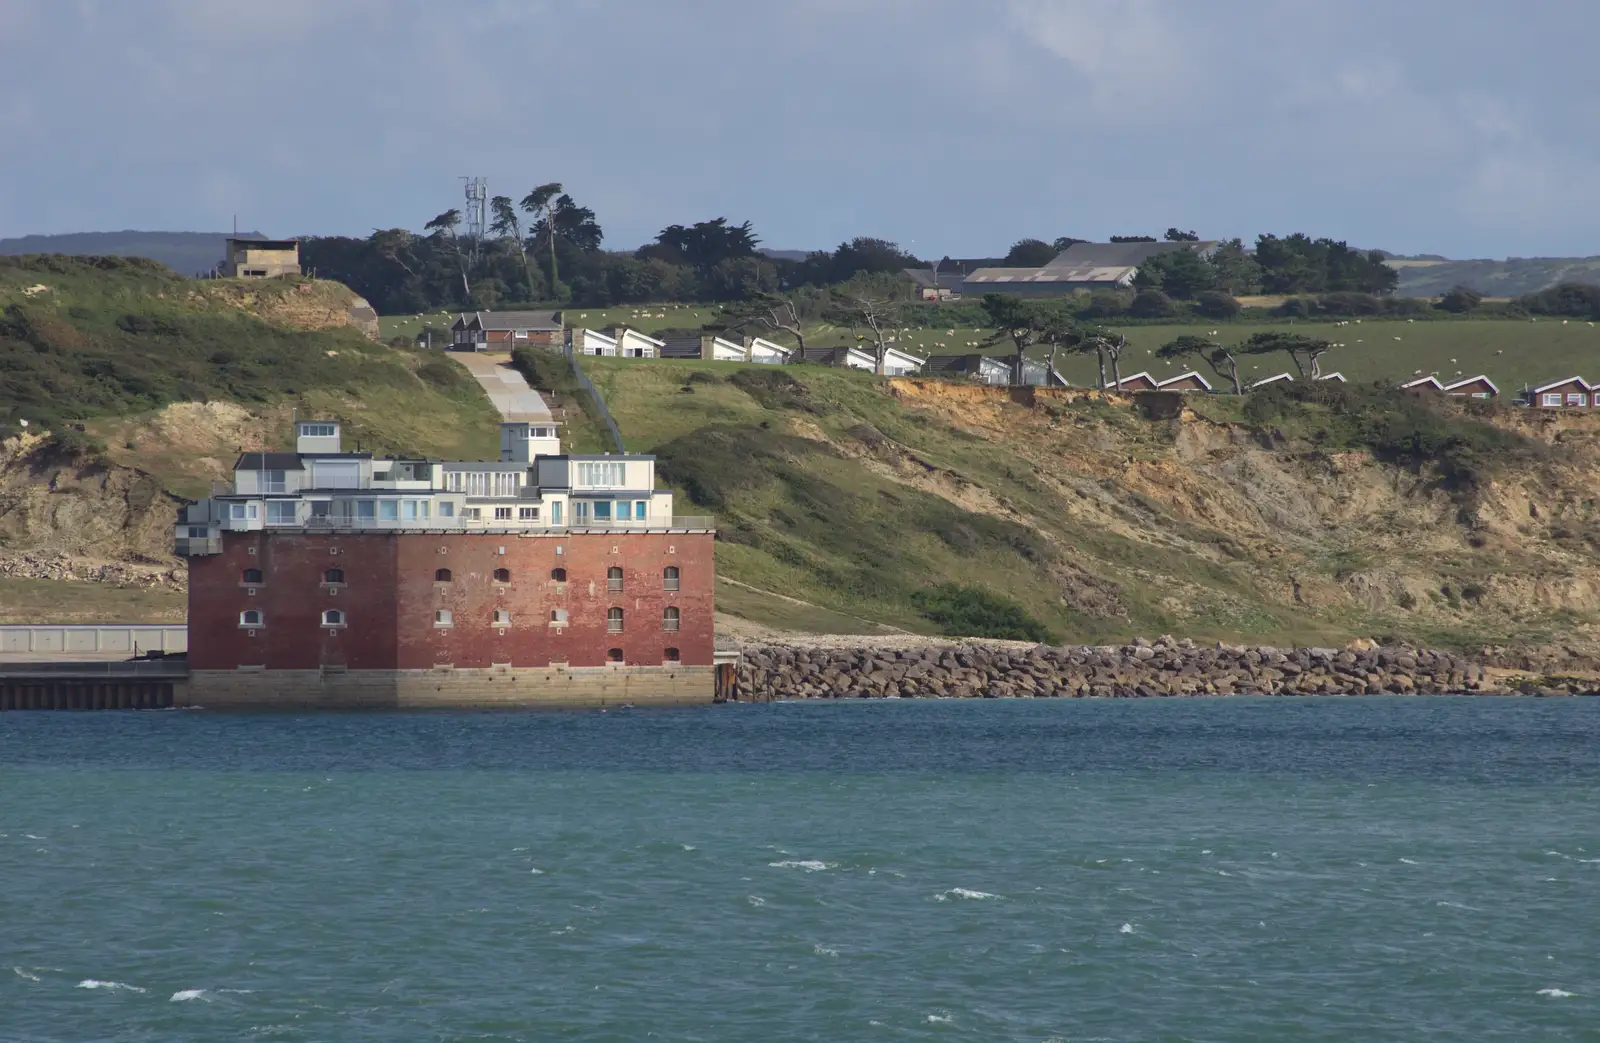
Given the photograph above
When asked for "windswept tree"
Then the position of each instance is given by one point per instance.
(560, 221)
(1030, 253)
(704, 244)
(1178, 235)
(861, 305)
(773, 312)
(1060, 331)
(1217, 356)
(508, 227)
(1107, 347)
(1016, 320)
(445, 225)
(1305, 352)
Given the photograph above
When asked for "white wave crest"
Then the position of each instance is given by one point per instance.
(1559, 994)
(25, 975)
(1126, 928)
(115, 986)
(940, 1019)
(536, 872)
(963, 892)
(756, 901)
(810, 865)
(1408, 861)
(186, 995)
(823, 950)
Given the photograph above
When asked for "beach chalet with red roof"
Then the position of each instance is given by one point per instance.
(1480, 387)
(1190, 381)
(1138, 382)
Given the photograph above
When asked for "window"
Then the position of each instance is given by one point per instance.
(613, 655)
(251, 617)
(558, 616)
(471, 513)
(669, 620)
(502, 575)
(274, 481)
(281, 512)
(1576, 399)
(502, 514)
(580, 512)
(555, 513)
(671, 656)
(1552, 399)
(528, 513)
(602, 510)
(502, 618)
(669, 578)
(614, 620)
(198, 532)
(443, 618)
(251, 576)
(614, 580)
(242, 511)
(558, 575)
(639, 512)
(447, 509)
(318, 430)
(441, 575)
(624, 510)
(332, 618)
(388, 510)
(333, 576)
(366, 510)
(416, 510)
(594, 473)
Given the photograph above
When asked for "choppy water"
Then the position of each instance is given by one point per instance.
(1308, 869)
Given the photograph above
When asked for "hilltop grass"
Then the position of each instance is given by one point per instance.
(102, 341)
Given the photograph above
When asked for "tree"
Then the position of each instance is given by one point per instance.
(508, 227)
(1030, 253)
(1177, 273)
(1057, 329)
(1175, 236)
(1461, 299)
(1133, 239)
(446, 224)
(772, 312)
(1108, 347)
(704, 244)
(1063, 242)
(1305, 352)
(541, 202)
(861, 304)
(1012, 319)
(1233, 270)
(1218, 357)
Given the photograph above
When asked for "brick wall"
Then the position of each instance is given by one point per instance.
(390, 598)
(445, 689)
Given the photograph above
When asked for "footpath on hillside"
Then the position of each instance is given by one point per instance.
(506, 388)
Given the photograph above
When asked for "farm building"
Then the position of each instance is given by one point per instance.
(935, 286)
(1049, 281)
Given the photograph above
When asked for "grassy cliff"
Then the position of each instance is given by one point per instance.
(1312, 515)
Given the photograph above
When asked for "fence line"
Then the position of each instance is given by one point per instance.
(594, 396)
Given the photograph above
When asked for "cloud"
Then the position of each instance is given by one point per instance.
(1128, 56)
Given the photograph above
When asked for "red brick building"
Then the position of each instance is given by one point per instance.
(504, 330)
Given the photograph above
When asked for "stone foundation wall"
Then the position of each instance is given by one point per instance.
(449, 689)
(1176, 668)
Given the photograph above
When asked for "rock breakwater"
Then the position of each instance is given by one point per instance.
(1140, 670)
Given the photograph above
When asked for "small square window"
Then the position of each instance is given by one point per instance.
(502, 514)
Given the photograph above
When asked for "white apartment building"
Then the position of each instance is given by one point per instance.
(533, 486)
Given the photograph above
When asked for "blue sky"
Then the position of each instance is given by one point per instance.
(1449, 126)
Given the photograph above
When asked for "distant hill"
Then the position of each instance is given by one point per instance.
(1513, 277)
(187, 253)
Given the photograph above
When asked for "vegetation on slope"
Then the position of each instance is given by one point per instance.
(1312, 514)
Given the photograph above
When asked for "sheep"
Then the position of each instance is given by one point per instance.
(1416, 373)
(1397, 338)
(1452, 361)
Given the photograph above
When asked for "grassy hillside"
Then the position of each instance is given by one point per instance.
(1351, 512)
(110, 343)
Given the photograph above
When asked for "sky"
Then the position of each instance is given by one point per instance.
(954, 127)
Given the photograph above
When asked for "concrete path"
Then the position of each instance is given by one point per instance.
(505, 387)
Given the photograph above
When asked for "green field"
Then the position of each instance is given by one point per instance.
(1513, 353)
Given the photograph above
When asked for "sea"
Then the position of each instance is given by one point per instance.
(1215, 869)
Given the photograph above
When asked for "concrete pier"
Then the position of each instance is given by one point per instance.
(89, 685)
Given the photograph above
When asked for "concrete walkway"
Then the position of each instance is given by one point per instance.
(505, 387)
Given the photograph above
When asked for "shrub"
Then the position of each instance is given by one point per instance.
(1568, 299)
(1105, 304)
(1151, 304)
(1214, 304)
(1345, 303)
(967, 611)
(1460, 300)
(1296, 308)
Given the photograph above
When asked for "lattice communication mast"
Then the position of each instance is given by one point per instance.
(477, 211)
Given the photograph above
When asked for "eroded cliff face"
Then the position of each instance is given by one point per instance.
(72, 517)
(1229, 515)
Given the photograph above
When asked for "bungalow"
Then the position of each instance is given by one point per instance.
(1190, 381)
(631, 344)
(590, 342)
(896, 363)
(715, 347)
(1479, 386)
(1421, 384)
(990, 369)
(1333, 376)
(1275, 379)
(504, 330)
(1138, 382)
(1568, 393)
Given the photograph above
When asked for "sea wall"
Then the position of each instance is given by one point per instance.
(1140, 670)
(493, 688)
